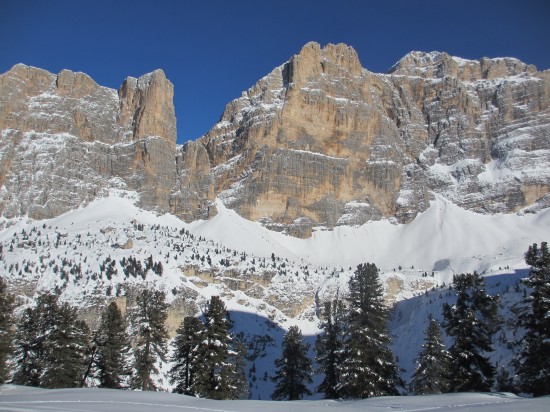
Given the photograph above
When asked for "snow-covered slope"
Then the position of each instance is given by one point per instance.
(269, 281)
(445, 237)
(13, 398)
(445, 240)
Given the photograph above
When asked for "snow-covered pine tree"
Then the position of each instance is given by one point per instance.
(432, 373)
(533, 364)
(29, 349)
(293, 371)
(328, 349)
(51, 345)
(189, 336)
(6, 329)
(67, 350)
(152, 311)
(213, 372)
(112, 349)
(237, 358)
(368, 367)
(471, 322)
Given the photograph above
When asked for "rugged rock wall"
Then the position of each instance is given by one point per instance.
(320, 141)
(65, 140)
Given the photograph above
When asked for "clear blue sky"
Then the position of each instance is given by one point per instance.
(213, 50)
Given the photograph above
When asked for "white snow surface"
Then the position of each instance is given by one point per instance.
(468, 240)
(16, 398)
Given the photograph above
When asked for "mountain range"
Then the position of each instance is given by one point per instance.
(318, 142)
(440, 166)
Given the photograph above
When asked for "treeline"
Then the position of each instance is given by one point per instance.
(52, 348)
(353, 352)
(472, 322)
(49, 347)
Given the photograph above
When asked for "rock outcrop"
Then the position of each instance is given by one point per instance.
(320, 141)
(66, 140)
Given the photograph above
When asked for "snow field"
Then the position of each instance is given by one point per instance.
(415, 261)
(13, 398)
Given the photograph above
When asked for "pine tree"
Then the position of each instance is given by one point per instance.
(152, 311)
(293, 368)
(533, 365)
(29, 349)
(51, 345)
(112, 349)
(237, 358)
(189, 336)
(368, 366)
(504, 382)
(472, 322)
(431, 374)
(212, 376)
(6, 329)
(67, 350)
(328, 348)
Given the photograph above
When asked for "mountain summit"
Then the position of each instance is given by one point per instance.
(320, 141)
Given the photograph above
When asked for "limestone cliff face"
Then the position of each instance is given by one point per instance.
(65, 140)
(321, 141)
(146, 106)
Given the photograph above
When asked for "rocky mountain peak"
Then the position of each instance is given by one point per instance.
(331, 61)
(29, 80)
(440, 64)
(75, 85)
(146, 104)
(37, 100)
(322, 142)
(66, 140)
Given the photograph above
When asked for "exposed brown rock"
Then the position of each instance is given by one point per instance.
(147, 104)
(65, 140)
(129, 244)
(320, 141)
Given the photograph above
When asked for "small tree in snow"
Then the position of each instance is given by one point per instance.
(213, 371)
(189, 337)
(368, 367)
(237, 358)
(112, 349)
(328, 348)
(533, 365)
(6, 328)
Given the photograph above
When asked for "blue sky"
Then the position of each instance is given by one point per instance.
(213, 50)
